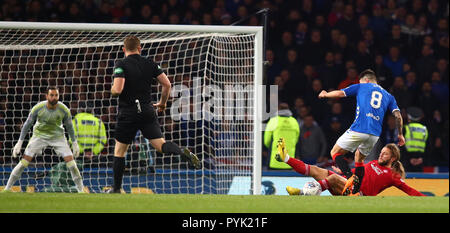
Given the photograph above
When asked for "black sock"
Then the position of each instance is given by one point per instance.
(118, 169)
(171, 148)
(343, 165)
(359, 171)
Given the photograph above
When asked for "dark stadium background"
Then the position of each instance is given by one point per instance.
(310, 46)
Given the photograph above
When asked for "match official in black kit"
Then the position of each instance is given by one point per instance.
(133, 77)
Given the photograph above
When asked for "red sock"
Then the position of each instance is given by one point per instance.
(324, 184)
(336, 155)
(299, 166)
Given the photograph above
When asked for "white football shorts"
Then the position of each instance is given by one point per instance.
(352, 140)
(36, 145)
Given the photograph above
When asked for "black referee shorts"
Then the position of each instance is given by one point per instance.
(129, 122)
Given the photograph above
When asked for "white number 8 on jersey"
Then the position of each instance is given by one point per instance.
(375, 101)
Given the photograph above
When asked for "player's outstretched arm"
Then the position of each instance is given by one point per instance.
(399, 125)
(25, 128)
(331, 94)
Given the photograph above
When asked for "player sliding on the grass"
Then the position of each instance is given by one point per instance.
(380, 174)
(372, 103)
(49, 116)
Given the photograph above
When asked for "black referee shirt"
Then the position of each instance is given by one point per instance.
(139, 73)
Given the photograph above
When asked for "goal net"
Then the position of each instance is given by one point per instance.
(213, 109)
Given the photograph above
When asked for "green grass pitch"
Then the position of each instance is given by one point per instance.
(188, 203)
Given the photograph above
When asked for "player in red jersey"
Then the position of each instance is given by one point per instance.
(380, 174)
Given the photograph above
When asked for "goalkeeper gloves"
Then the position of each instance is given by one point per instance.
(17, 148)
(75, 149)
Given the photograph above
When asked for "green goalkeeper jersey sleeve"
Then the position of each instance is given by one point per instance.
(49, 122)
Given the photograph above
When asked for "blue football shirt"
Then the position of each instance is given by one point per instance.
(372, 102)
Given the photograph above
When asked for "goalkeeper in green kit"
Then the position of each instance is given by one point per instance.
(49, 116)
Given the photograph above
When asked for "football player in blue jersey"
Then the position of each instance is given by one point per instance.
(372, 102)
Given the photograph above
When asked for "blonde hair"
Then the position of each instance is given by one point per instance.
(397, 166)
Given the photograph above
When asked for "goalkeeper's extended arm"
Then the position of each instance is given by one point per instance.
(27, 125)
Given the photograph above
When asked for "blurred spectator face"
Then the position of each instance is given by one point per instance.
(307, 5)
(336, 108)
(398, 82)
(391, 4)
(352, 74)
(207, 19)
(428, 40)
(410, 20)
(394, 52)
(423, 22)
(329, 58)
(317, 85)
(285, 75)
(320, 20)
(279, 81)
(242, 12)
(338, 57)
(350, 64)
(155, 19)
(433, 6)
(362, 48)
(348, 11)
(293, 15)
(442, 65)
(308, 71)
(302, 27)
(174, 19)
(411, 77)
(299, 102)
(442, 24)
(379, 60)
(363, 21)
(396, 31)
(335, 33)
(286, 38)
(269, 55)
(417, 5)
(308, 121)
(342, 40)
(315, 36)
(426, 51)
(435, 77)
(426, 87)
(377, 10)
(335, 126)
(303, 111)
(292, 56)
(368, 35)
(74, 10)
(146, 11)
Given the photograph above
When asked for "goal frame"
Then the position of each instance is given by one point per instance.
(257, 62)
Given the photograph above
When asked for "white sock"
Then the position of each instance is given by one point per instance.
(76, 176)
(16, 173)
(286, 159)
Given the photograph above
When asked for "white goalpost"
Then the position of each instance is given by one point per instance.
(215, 108)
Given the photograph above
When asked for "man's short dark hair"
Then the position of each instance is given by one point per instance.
(131, 43)
(369, 74)
(52, 88)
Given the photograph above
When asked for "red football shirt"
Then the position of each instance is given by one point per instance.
(378, 178)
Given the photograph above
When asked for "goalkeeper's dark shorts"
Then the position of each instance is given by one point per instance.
(129, 121)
